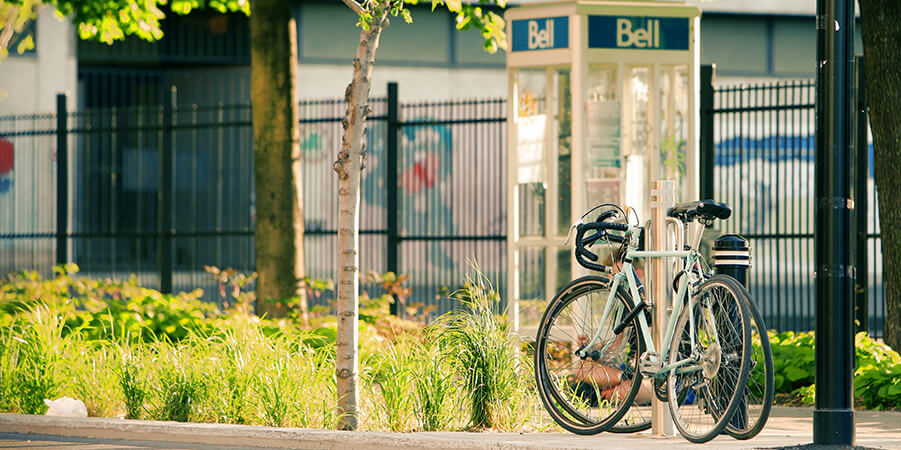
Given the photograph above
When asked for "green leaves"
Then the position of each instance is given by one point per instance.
(27, 43)
(794, 374)
(112, 20)
(490, 24)
(877, 377)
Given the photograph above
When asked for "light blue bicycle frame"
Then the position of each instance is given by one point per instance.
(627, 275)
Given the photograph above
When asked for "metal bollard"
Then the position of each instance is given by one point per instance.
(732, 256)
(663, 197)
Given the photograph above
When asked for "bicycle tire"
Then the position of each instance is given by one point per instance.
(587, 395)
(760, 388)
(697, 393)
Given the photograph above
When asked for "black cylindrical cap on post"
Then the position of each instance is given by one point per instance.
(732, 256)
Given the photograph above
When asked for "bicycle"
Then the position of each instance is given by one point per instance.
(759, 391)
(594, 346)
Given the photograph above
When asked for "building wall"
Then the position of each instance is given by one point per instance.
(29, 83)
(429, 58)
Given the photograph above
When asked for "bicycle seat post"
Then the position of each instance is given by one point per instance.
(663, 197)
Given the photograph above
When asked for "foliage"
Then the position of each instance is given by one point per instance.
(793, 360)
(877, 379)
(485, 355)
(468, 15)
(31, 358)
(877, 376)
(246, 370)
(14, 17)
(393, 373)
(106, 309)
(109, 21)
(132, 382)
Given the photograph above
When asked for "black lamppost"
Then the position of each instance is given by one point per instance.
(833, 417)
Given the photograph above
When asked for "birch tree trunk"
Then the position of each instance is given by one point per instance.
(349, 167)
(279, 224)
(880, 22)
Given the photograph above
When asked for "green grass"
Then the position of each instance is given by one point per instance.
(125, 361)
(485, 356)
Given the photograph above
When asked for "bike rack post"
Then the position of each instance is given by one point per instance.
(663, 197)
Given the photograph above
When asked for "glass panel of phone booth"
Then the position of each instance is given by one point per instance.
(563, 131)
(603, 168)
(531, 127)
(637, 149)
(533, 293)
(673, 120)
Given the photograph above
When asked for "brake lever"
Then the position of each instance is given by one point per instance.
(570, 233)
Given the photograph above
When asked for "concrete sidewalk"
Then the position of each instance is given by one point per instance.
(786, 427)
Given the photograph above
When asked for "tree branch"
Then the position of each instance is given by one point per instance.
(352, 4)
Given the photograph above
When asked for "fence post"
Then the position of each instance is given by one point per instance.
(707, 147)
(62, 179)
(391, 150)
(861, 207)
(164, 226)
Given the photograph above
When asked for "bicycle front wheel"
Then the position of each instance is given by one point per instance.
(586, 393)
(712, 341)
(754, 409)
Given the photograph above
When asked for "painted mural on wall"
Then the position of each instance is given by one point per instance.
(7, 164)
(439, 196)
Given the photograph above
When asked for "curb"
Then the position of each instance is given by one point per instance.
(247, 435)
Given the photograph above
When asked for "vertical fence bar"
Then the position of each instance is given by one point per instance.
(862, 281)
(707, 145)
(62, 179)
(164, 228)
(391, 150)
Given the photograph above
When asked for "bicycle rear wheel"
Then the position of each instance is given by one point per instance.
(715, 334)
(587, 395)
(754, 409)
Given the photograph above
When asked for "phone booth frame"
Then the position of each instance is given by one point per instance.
(632, 68)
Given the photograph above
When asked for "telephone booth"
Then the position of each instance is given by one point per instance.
(603, 99)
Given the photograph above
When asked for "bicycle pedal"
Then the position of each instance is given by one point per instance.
(648, 364)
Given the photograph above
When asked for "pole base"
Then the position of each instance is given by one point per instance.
(833, 427)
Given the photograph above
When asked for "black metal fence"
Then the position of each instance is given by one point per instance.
(162, 191)
(763, 151)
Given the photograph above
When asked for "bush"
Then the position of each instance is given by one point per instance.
(106, 309)
(132, 352)
(485, 355)
(877, 376)
(877, 380)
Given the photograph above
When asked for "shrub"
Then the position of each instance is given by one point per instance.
(180, 386)
(793, 360)
(877, 376)
(106, 309)
(485, 355)
(31, 355)
(877, 380)
(132, 381)
(393, 374)
(436, 391)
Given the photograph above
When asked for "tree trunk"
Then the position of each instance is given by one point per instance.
(349, 167)
(881, 32)
(277, 159)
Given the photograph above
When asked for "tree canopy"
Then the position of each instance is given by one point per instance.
(102, 20)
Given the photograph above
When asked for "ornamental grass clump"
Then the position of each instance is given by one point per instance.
(393, 375)
(31, 356)
(89, 372)
(132, 381)
(180, 385)
(436, 390)
(485, 356)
